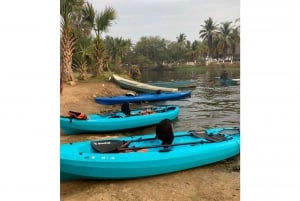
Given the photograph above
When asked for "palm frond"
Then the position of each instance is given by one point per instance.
(104, 20)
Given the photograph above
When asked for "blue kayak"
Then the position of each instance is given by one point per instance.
(145, 155)
(143, 97)
(117, 121)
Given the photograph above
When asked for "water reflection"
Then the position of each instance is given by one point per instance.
(210, 104)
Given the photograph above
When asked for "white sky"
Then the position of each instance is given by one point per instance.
(166, 18)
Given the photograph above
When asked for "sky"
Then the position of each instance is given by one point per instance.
(166, 18)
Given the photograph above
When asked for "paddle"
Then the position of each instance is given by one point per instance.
(207, 138)
(112, 146)
(166, 146)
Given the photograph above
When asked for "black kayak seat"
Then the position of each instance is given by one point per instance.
(107, 146)
(125, 108)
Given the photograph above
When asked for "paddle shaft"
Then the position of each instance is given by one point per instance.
(154, 138)
(156, 146)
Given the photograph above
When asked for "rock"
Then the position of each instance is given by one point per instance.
(72, 83)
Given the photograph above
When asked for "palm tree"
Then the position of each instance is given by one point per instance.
(181, 38)
(208, 31)
(118, 48)
(88, 17)
(181, 41)
(101, 24)
(225, 37)
(122, 47)
(67, 40)
(235, 38)
(83, 56)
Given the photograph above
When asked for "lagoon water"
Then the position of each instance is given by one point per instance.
(210, 104)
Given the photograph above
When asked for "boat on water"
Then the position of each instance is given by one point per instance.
(139, 86)
(144, 155)
(122, 120)
(228, 81)
(143, 97)
(175, 84)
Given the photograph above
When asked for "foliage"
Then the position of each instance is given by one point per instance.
(101, 24)
(135, 72)
(117, 49)
(83, 57)
(208, 32)
(153, 48)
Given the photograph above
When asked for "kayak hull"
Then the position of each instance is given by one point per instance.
(80, 161)
(144, 97)
(118, 121)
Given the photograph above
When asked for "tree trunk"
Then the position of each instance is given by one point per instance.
(83, 72)
(60, 80)
(67, 46)
(99, 67)
(98, 54)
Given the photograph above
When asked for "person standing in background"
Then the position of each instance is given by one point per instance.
(224, 75)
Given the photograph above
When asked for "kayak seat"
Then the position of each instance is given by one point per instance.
(164, 132)
(107, 146)
(125, 108)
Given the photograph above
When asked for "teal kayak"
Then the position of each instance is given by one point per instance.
(145, 155)
(229, 81)
(175, 84)
(117, 121)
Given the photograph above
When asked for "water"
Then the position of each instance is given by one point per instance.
(210, 104)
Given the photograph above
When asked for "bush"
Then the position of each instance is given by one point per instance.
(135, 72)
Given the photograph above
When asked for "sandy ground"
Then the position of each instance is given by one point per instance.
(216, 182)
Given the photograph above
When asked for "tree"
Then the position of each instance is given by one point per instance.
(208, 31)
(181, 38)
(82, 56)
(83, 20)
(225, 37)
(153, 48)
(235, 43)
(67, 39)
(117, 48)
(182, 50)
(198, 50)
(101, 24)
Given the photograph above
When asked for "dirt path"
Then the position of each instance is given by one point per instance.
(216, 182)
